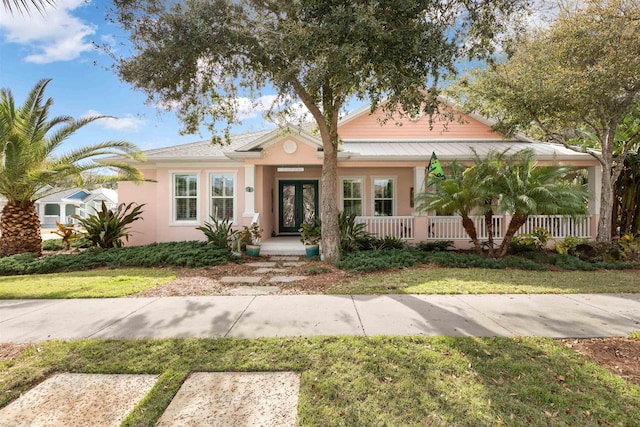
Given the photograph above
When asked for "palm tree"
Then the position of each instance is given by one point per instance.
(460, 193)
(31, 166)
(24, 5)
(523, 188)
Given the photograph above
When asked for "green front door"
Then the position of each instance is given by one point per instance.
(298, 202)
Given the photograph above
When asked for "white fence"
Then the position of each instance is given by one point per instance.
(558, 226)
(450, 227)
(389, 226)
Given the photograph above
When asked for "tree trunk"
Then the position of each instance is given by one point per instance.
(517, 220)
(488, 223)
(20, 230)
(329, 204)
(470, 228)
(605, 230)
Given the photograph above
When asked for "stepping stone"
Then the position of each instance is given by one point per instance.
(286, 279)
(284, 258)
(261, 264)
(80, 400)
(264, 270)
(293, 264)
(253, 290)
(235, 399)
(240, 279)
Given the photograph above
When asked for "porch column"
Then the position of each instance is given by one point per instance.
(595, 193)
(418, 186)
(249, 190)
(63, 211)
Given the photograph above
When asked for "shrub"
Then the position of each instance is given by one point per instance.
(569, 262)
(530, 241)
(367, 261)
(353, 236)
(67, 232)
(52, 245)
(219, 232)
(107, 228)
(438, 246)
(388, 242)
(173, 254)
(310, 234)
(568, 244)
(630, 246)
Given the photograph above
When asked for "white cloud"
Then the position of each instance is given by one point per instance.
(248, 109)
(125, 124)
(55, 36)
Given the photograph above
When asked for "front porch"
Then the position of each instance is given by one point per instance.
(431, 228)
(416, 229)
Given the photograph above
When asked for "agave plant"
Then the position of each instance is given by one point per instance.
(107, 228)
(219, 232)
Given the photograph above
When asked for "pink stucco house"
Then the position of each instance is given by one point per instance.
(272, 177)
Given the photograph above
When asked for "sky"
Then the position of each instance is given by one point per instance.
(59, 45)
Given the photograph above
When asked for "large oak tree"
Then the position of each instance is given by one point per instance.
(199, 56)
(573, 83)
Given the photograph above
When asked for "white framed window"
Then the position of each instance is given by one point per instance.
(384, 196)
(353, 195)
(184, 194)
(222, 195)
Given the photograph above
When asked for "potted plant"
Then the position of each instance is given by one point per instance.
(250, 239)
(310, 235)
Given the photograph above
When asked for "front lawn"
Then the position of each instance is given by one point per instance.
(356, 381)
(485, 281)
(86, 284)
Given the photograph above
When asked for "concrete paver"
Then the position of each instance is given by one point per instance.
(286, 279)
(284, 258)
(235, 399)
(298, 315)
(264, 270)
(181, 317)
(240, 279)
(263, 264)
(78, 400)
(293, 264)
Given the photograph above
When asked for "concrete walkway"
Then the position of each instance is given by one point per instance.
(565, 316)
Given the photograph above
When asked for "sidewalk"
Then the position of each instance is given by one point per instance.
(566, 316)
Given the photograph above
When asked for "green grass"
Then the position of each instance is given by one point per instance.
(483, 281)
(356, 381)
(86, 284)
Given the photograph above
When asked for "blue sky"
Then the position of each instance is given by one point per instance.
(58, 45)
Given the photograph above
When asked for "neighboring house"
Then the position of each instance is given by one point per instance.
(273, 177)
(60, 206)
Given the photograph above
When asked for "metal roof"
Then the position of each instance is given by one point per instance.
(454, 150)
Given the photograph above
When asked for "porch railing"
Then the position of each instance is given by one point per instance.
(558, 226)
(389, 226)
(450, 227)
